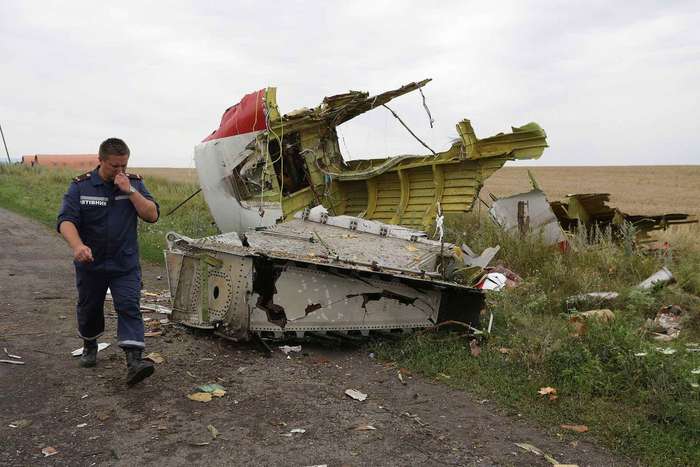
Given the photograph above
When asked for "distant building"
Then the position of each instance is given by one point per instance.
(73, 161)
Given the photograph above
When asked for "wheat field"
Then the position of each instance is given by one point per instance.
(633, 189)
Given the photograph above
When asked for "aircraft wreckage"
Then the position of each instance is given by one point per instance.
(316, 244)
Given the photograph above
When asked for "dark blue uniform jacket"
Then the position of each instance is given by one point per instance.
(106, 221)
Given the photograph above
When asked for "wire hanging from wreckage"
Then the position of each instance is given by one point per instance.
(409, 130)
(425, 106)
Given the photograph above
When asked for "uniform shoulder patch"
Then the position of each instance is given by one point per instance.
(83, 177)
(134, 176)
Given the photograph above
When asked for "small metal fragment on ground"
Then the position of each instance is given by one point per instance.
(400, 376)
(286, 349)
(49, 451)
(294, 431)
(11, 355)
(364, 428)
(200, 397)
(537, 451)
(12, 362)
(81, 425)
(576, 428)
(155, 308)
(20, 423)
(100, 347)
(214, 389)
(355, 394)
(155, 357)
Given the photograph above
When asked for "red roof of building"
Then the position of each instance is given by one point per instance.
(76, 161)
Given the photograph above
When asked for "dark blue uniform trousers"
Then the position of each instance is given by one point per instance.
(126, 294)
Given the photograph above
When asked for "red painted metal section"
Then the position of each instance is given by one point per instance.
(245, 117)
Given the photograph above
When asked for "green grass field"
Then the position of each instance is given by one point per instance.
(37, 192)
(647, 407)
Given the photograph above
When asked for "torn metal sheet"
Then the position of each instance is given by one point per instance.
(261, 166)
(591, 210)
(318, 273)
(526, 213)
(471, 259)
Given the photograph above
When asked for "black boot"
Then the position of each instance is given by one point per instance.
(137, 368)
(89, 357)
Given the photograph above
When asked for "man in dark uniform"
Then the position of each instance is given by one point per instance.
(98, 219)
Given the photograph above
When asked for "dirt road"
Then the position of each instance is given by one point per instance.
(91, 418)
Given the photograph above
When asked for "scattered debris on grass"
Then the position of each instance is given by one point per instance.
(589, 210)
(662, 276)
(666, 325)
(549, 391)
(578, 320)
(492, 281)
(355, 394)
(576, 302)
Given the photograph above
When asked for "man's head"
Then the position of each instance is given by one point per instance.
(114, 156)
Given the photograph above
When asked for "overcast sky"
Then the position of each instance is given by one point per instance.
(611, 85)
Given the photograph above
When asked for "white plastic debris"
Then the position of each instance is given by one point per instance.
(355, 394)
(100, 347)
(666, 351)
(286, 349)
(640, 354)
(493, 281)
(695, 371)
(11, 355)
(662, 276)
(294, 431)
(12, 362)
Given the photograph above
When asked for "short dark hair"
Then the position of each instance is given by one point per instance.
(113, 147)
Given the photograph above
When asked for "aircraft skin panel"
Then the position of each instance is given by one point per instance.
(303, 166)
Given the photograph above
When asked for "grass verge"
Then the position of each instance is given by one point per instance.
(38, 192)
(633, 398)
